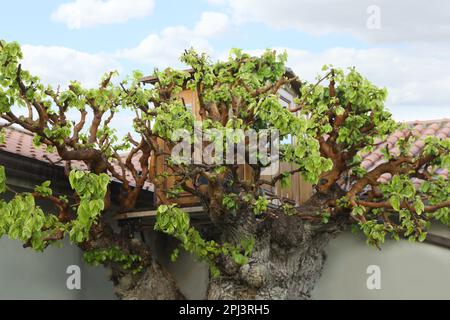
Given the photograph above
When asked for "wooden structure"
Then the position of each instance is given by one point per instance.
(298, 192)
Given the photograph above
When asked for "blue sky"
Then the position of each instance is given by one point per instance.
(402, 45)
(35, 26)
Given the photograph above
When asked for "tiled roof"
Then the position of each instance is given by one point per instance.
(421, 129)
(20, 142)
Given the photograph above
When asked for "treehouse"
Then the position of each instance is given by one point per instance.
(297, 192)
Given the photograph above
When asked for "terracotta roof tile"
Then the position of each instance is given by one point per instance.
(420, 129)
(20, 142)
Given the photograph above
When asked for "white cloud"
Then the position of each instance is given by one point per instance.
(88, 13)
(216, 2)
(414, 73)
(415, 77)
(211, 24)
(60, 65)
(401, 20)
(165, 48)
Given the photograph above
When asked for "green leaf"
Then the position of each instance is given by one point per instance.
(419, 205)
(260, 206)
(248, 246)
(175, 254)
(422, 236)
(240, 259)
(2, 179)
(2, 131)
(359, 211)
(395, 202)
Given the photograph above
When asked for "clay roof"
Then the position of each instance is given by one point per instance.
(20, 142)
(421, 129)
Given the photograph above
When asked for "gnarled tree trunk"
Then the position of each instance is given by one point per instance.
(154, 283)
(286, 263)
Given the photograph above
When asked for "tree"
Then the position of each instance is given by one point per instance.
(262, 250)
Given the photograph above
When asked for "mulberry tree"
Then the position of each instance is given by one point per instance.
(262, 247)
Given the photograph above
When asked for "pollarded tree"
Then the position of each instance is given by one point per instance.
(263, 247)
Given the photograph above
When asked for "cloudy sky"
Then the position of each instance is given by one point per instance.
(403, 45)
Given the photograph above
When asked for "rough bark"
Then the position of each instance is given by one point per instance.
(154, 283)
(286, 263)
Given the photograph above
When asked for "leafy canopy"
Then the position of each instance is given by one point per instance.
(333, 122)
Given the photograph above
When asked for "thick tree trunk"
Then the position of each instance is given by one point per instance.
(154, 283)
(286, 263)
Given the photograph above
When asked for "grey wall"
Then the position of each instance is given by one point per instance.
(25, 274)
(408, 270)
(191, 276)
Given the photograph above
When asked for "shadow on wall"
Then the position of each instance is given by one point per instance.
(191, 276)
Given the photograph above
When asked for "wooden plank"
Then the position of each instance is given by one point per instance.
(152, 213)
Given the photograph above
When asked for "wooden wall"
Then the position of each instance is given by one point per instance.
(299, 191)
